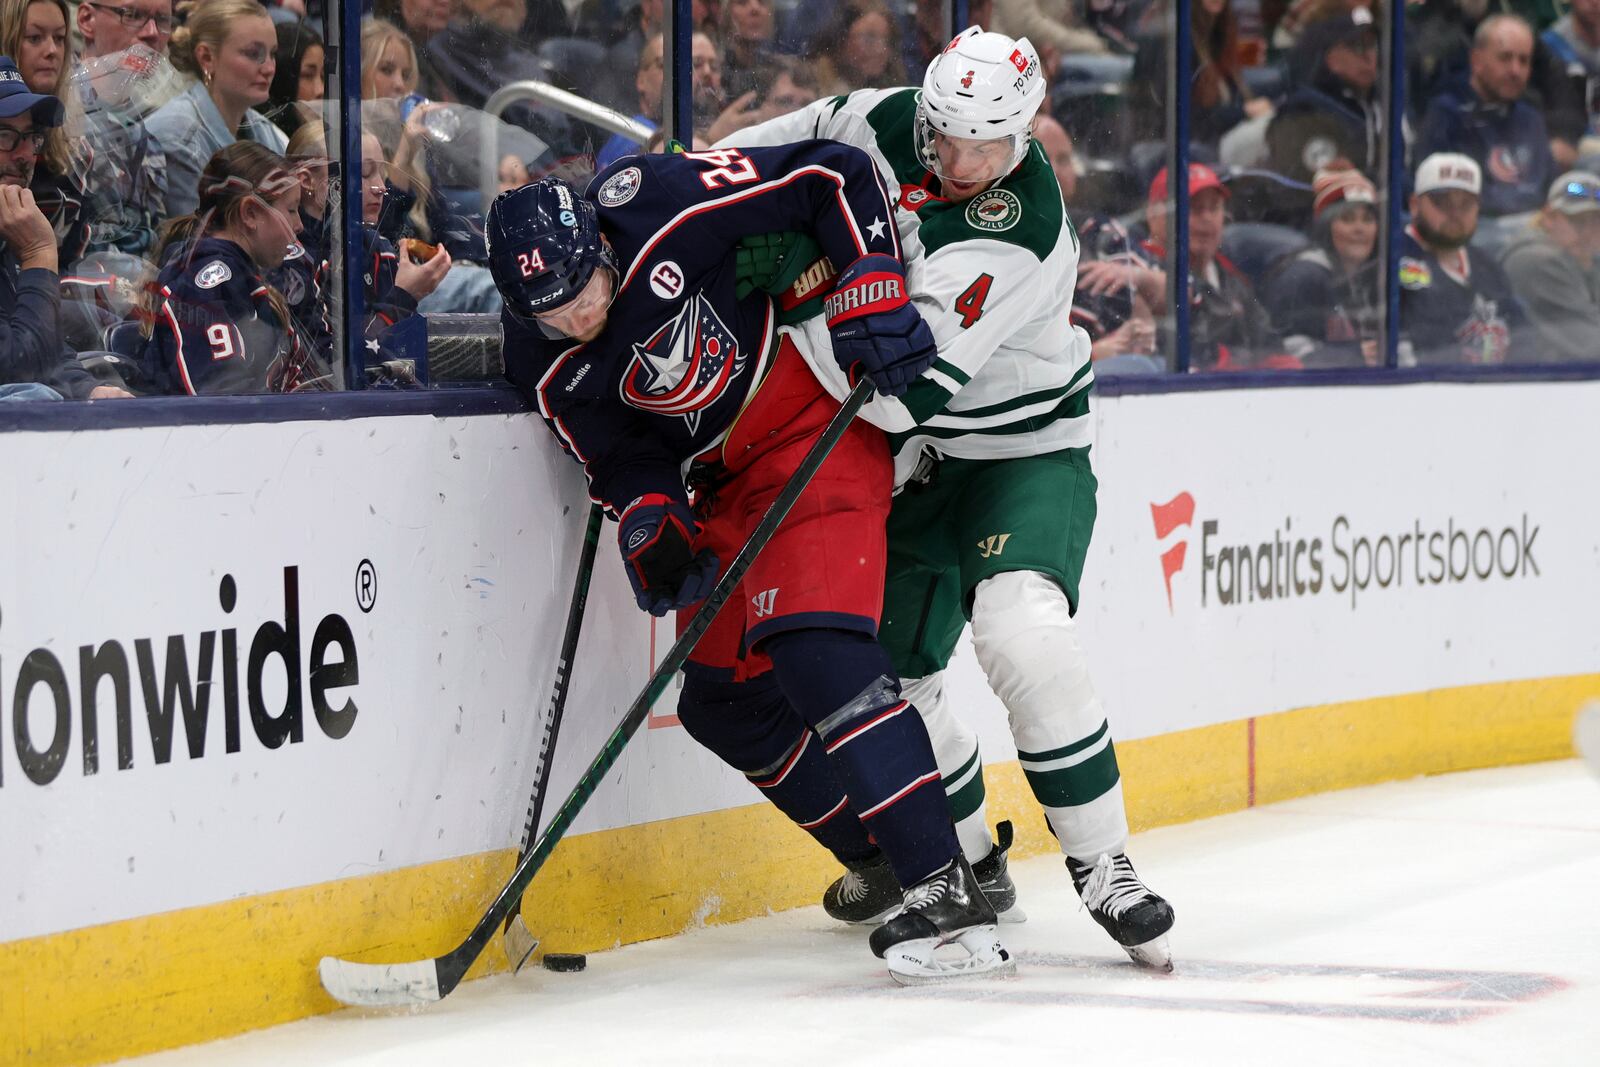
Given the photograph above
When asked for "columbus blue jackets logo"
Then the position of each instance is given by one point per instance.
(685, 366)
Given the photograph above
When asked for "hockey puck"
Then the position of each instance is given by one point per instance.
(565, 961)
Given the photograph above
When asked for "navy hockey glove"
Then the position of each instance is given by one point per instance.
(657, 537)
(875, 329)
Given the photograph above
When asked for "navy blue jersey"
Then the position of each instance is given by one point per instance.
(1463, 312)
(302, 278)
(680, 350)
(217, 329)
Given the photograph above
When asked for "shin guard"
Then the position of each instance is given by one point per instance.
(752, 728)
(841, 683)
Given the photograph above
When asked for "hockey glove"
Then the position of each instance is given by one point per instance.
(657, 536)
(874, 327)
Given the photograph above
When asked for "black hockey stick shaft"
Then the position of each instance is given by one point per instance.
(558, 691)
(452, 968)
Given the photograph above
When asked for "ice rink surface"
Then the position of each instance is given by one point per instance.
(1448, 920)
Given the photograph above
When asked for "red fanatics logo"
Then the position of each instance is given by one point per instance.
(1019, 61)
(966, 83)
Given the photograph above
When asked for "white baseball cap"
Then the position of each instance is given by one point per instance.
(1449, 170)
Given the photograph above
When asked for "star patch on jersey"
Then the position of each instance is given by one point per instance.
(621, 187)
(213, 274)
(994, 211)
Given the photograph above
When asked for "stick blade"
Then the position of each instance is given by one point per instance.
(380, 985)
(519, 943)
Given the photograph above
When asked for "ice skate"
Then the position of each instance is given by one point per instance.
(1136, 918)
(995, 880)
(867, 893)
(945, 930)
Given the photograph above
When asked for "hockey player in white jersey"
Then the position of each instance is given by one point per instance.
(992, 449)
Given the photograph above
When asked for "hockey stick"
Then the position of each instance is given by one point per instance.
(519, 942)
(380, 985)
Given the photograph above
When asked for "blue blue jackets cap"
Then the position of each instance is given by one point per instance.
(15, 98)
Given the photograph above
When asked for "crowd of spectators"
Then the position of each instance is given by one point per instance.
(177, 159)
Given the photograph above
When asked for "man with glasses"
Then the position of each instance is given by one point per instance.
(1334, 113)
(113, 27)
(1456, 305)
(1553, 270)
(33, 362)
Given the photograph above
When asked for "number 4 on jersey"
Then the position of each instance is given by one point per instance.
(970, 303)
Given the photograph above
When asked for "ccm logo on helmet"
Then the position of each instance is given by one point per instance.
(864, 298)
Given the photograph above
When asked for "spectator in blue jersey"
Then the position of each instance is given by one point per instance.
(33, 362)
(1335, 112)
(1325, 299)
(1456, 305)
(1487, 119)
(212, 322)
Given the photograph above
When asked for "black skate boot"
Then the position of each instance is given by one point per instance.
(995, 880)
(866, 894)
(944, 909)
(1136, 918)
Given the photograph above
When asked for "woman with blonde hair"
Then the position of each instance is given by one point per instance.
(230, 48)
(35, 34)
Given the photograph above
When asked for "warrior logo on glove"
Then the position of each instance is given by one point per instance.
(869, 295)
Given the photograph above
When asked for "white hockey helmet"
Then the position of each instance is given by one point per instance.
(983, 86)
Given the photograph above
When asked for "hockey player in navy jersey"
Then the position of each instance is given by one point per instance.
(624, 323)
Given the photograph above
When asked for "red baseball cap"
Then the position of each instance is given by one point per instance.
(1201, 178)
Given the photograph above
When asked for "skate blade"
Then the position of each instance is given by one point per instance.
(1155, 954)
(875, 920)
(1013, 914)
(974, 953)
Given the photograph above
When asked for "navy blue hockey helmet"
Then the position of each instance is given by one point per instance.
(544, 245)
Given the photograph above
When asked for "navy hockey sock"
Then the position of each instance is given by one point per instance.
(752, 727)
(842, 684)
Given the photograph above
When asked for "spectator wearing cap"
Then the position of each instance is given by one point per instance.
(1488, 120)
(34, 32)
(1334, 113)
(1324, 299)
(1456, 305)
(1228, 327)
(33, 362)
(1552, 268)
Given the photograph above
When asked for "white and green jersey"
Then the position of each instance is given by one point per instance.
(993, 277)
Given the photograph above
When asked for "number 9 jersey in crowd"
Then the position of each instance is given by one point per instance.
(220, 328)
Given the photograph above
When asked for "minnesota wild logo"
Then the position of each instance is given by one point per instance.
(994, 211)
